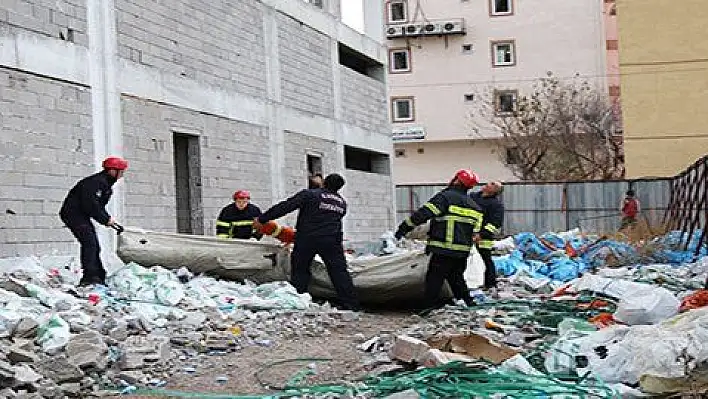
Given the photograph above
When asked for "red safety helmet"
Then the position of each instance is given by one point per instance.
(467, 177)
(117, 163)
(242, 194)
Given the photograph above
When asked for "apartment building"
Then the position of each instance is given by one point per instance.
(664, 80)
(202, 98)
(448, 57)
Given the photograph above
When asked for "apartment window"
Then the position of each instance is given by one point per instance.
(400, 60)
(513, 156)
(612, 45)
(402, 109)
(505, 101)
(400, 153)
(467, 49)
(397, 12)
(501, 7)
(469, 97)
(503, 53)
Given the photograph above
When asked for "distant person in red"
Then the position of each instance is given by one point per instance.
(630, 209)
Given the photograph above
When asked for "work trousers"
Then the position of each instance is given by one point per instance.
(490, 271)
(332, 253)
(93, 271)
(445, 268)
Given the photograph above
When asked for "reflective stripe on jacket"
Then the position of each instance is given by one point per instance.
(455, 220)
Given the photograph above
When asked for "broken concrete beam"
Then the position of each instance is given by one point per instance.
(436, 357)
(408, 349)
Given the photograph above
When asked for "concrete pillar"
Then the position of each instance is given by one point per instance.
(275, 129)
(105, 105)
(374, 19)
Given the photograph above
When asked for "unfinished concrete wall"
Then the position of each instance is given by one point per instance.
(220, 45)
(233, 156)
(297, 147)
(371, 207)
(60, 19)
(306, 77)
(47, 146)
(364, 101)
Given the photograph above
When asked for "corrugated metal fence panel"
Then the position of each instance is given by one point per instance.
(535, 207)
(542, 207)
(595, 206)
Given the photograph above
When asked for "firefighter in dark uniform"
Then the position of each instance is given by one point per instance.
(455, 221)
(236, 219)
(87, 200)
(318, 232)
(493, 209)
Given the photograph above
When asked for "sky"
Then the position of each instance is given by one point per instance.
(353, 14)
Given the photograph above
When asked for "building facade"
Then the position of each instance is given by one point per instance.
(664, 71)
(447, 57)
(202, 101)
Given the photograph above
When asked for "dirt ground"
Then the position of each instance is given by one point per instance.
(253, 369)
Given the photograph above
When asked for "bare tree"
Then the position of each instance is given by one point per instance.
(561, 130)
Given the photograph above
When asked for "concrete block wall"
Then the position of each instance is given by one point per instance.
(306, 77)
(46, 146)
(219, 43)
(178, 67)
(232, 158)
(371, 211)
(57, 19)
(364, 101)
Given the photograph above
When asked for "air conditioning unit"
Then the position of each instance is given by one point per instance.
(432, 28)
(395, 31)
(452, 27)
(413, 29)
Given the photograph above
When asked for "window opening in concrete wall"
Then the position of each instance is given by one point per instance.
(361, 63)
(505, 101)
(466, 49)
(400, 153)
(502, 7)
(188, 183)
(400, 60)
(403, 109)
(421, 150)
(469, 97)
(366, 161)
(503, 53)
(397, 12)
(314, 164)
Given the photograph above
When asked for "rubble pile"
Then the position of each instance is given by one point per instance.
(57, 340)
(562, 257)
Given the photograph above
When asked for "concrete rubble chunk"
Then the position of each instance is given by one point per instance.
(71, 389)
(139, 351)
(87, 350)
(407, 394)
(26, 328)
(8, 393)
(7, 372)
(60, 370)
(408, 349)
(19, 355)
(132, 376)
(25, 375)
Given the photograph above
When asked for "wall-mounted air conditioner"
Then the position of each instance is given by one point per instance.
(452, 27)
(395, 31)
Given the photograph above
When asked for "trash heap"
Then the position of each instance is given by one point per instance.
(57, 340)
(565, 256)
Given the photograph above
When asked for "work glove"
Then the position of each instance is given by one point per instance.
(399, 234)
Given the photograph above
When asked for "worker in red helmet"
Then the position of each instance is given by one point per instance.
(236, 219)
(456, 219)
(87, 200)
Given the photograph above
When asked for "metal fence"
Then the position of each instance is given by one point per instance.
(592, 206)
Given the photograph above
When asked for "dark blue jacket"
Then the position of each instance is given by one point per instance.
(493, 210)
(87, 200)
(321, 213)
